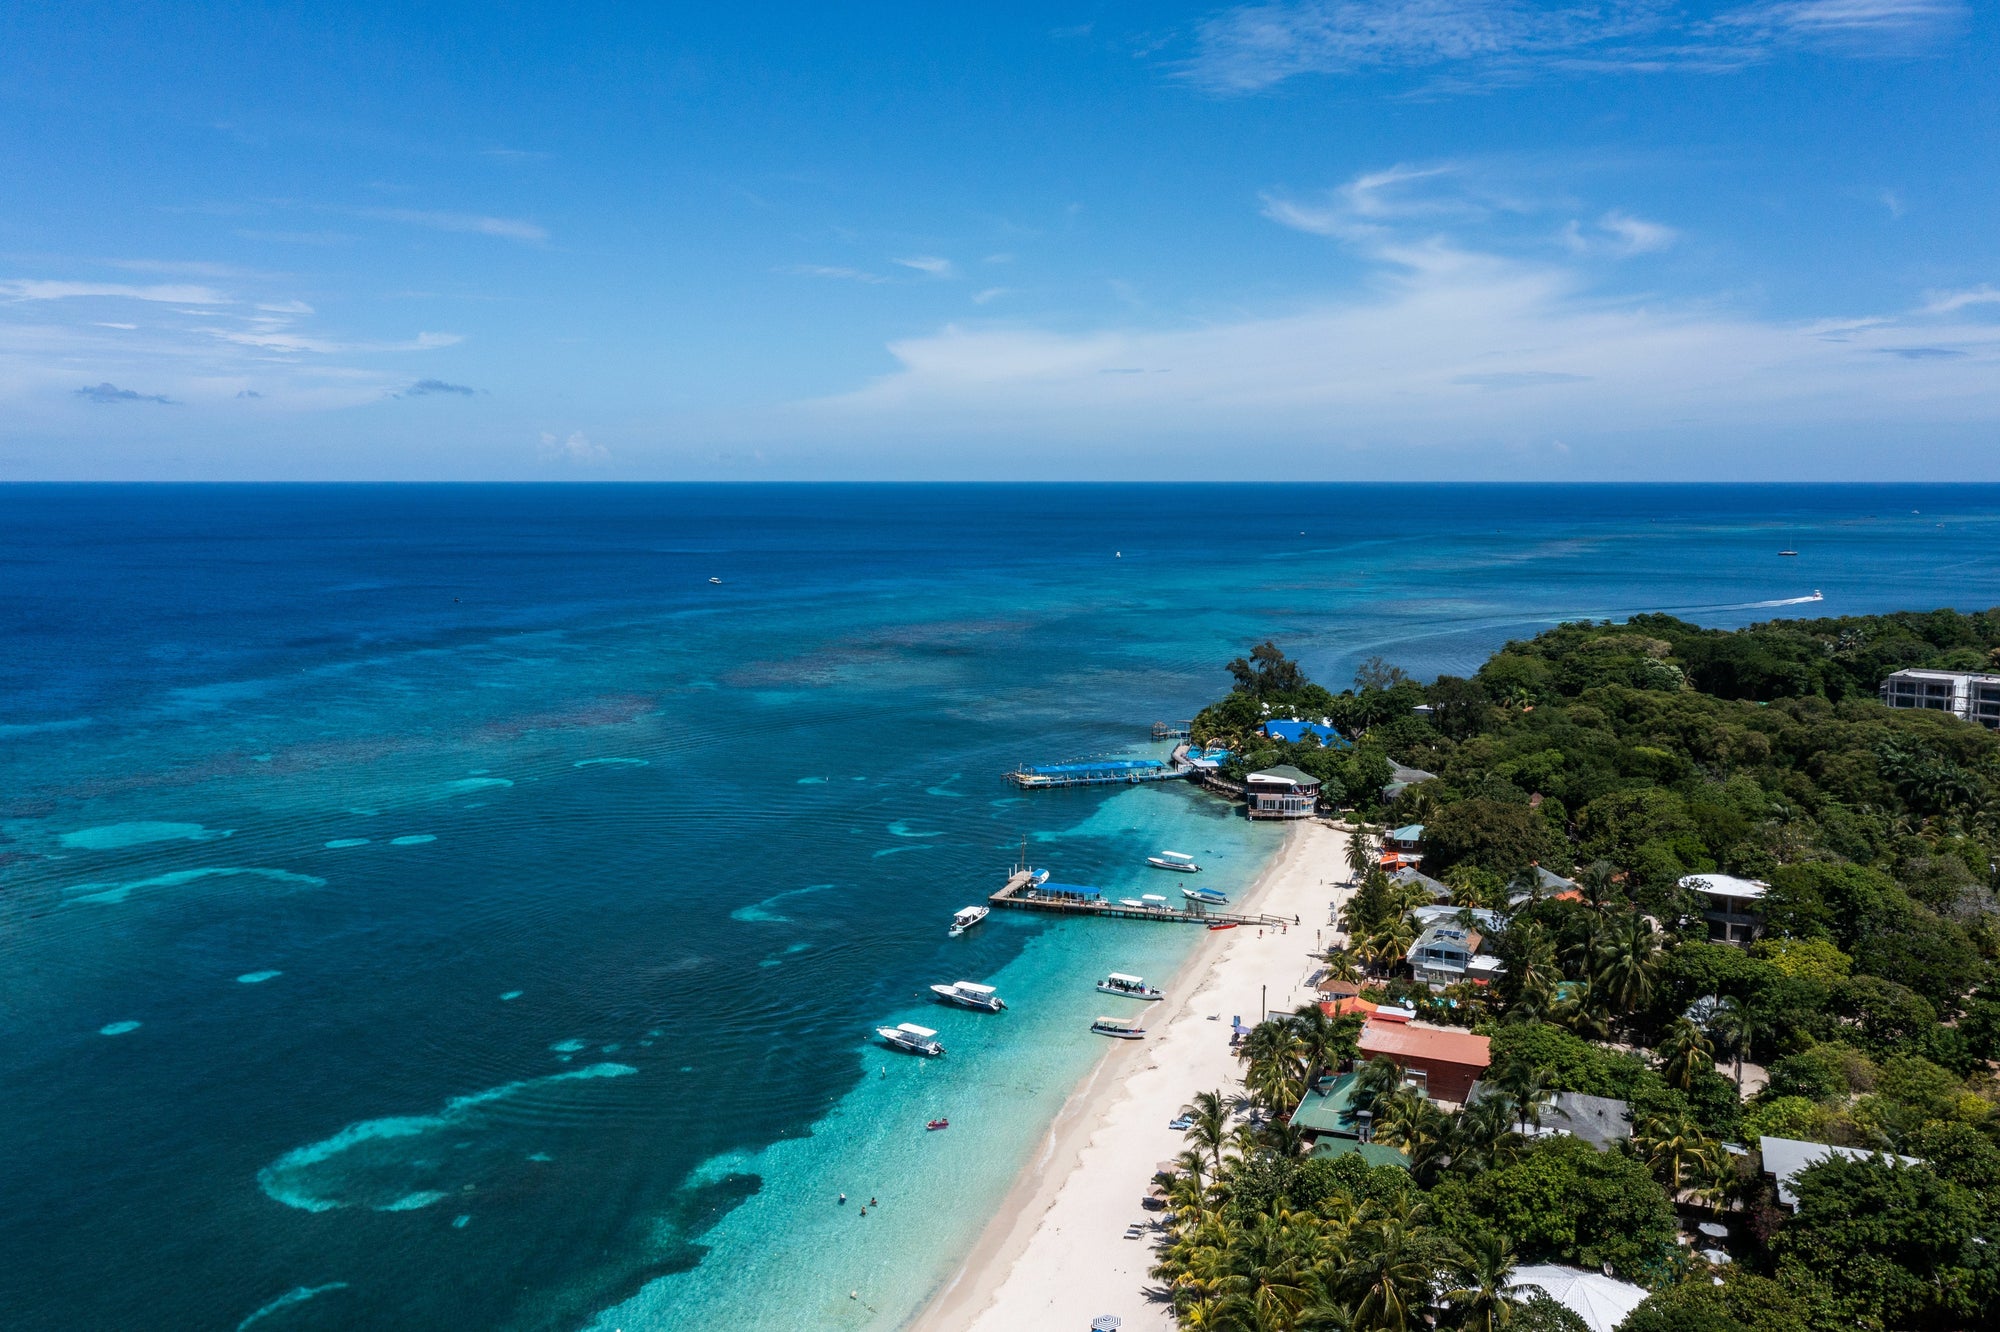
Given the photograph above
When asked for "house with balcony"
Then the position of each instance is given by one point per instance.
(1732, 910)
(1283, 792)
(1964, 694)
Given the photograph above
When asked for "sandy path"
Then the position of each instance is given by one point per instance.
(1055, 1255)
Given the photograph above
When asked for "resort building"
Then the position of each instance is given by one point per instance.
(1407, 874)
(1785, 1158)
(1964, 694)
(1601, 1121)
(1407, 840)
(1549, 885)
(1483, 920)
(1327, 1119)
(1282, 792)
(1733, 915)
(1443, 952)
(1402, 779)
(1442, 1062)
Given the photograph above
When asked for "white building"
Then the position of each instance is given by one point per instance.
(1786, 1158)
(1733, 915)
(1961, 693)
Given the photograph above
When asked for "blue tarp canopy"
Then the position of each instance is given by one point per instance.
(1069, 890)
(1293, 731)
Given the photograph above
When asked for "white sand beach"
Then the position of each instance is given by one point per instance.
(1055, 1255)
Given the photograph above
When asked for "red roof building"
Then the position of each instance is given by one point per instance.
(1445, 1060)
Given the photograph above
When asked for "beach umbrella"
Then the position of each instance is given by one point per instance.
(1108, 1323)
(1170, 1168)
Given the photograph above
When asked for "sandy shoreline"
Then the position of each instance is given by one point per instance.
(1055, 1255)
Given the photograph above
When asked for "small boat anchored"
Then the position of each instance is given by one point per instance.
(1205, 896)
(964, 920)
(1130, 987)
(715, 580)
(1125, 1029)
(967, 994)
(1223, 925)
(911, 1039)
(1178, 861)
(937, 1124)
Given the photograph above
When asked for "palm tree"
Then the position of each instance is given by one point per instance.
(1678, 1153)
(1277, 1071)
(1378, 1078)
(1685, 1054)
(1343, 966)
(1328, 1041)
(1735, 1028)
(1208, 1124)
(1598, 883)
(1394, 1278)
(1529, 1089)
(1484, 1273)
(1627, 959)
(1361, 854)
(1463, 880)
(1579, 1006)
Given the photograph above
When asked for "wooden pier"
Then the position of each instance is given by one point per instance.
(1100, 772)
(1023, 894)
(1172, 730)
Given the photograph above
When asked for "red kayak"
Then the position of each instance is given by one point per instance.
(937, 1124)
(1225, 925)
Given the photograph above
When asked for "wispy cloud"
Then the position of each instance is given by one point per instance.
(834, 271)
(989, 294)
(29, 289)
(1619, 234)
(426, 387)
(111, 393)
(1445, 344)
(930, 264)
(1472, 42)
(1947, 302)
(576, 448)
(506, 228)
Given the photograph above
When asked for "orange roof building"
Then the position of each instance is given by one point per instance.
(1447, 1061)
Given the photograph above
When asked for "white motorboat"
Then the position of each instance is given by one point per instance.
(1179, 861)
(1131, 902)
(1130, 987)
(1125, 1029)
(911, 1039)
(1155, 902)
(966, 919)
(1205, 896)
(967, 994)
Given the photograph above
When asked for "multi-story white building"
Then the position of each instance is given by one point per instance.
(1961, 693)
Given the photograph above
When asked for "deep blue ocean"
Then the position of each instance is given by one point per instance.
(442, 906)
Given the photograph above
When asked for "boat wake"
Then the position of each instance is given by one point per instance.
(1752, 605)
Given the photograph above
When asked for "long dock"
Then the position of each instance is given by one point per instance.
(1099, 772)
(1022, 893)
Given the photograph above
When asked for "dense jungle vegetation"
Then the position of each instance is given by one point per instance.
(1625, 757)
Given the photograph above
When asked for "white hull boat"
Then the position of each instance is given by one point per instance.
(967, 994)
(1125, 1029)
(966, 919)
(1129, 987)
(911, 1039)
(1178, 861)
(1205, 896)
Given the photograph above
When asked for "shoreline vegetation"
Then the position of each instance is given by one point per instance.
(1574, 792)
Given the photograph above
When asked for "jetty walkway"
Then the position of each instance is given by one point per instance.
(1022, 893)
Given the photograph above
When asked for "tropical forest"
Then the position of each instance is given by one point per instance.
(1567, 800)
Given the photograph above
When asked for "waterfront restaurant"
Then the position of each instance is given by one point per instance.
(1282, 792)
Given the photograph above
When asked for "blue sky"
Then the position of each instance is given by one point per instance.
(1434, 239)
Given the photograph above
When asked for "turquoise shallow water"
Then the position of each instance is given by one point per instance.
(443, 907)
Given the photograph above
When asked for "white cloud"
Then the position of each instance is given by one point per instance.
(833, 271)
(1619, 234)
(1948, 302)
(1443, 345)
(506, 228)
(929, 263)
(27, 289)
(576, 448)
(990, 294)
(1472, 42)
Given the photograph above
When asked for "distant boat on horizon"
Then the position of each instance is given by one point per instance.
(1788, 552)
